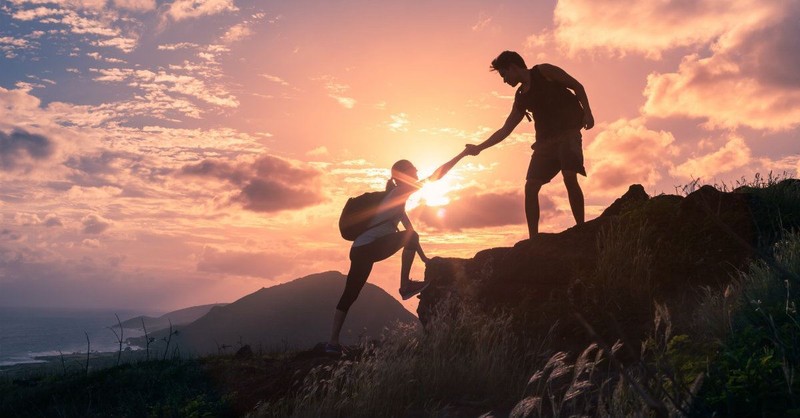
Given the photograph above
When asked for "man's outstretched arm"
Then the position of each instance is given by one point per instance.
(512, 121)
(556, 74)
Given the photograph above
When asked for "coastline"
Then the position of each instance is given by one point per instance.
(70, 363)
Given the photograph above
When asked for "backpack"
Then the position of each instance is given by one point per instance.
(358, 212)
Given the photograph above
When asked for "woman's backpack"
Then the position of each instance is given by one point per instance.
(358, 212)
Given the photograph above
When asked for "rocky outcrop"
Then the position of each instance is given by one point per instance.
(612, 269)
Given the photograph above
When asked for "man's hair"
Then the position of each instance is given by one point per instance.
(505, 59)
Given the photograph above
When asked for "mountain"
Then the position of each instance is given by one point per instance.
(297, 314)
(183, 316)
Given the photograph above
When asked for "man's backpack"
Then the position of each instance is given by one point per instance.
(358, 212)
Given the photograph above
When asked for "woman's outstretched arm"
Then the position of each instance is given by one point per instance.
(441, 171)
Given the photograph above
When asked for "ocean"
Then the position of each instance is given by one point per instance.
(27, 333)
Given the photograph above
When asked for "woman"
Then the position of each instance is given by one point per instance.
(382, 239)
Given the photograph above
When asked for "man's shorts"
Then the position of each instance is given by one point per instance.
(554, 154)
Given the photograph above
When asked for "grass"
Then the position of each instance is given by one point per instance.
(170, 388)
(465, 359)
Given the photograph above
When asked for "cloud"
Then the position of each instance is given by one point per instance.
(275, 79)
(159, 88)
(483, 22)
(121, 43)
(189, 9)
(83, 26)
(97, 56)
(9, 235)
(95, 224)
(177, 46)
(28, 279)
(740, 68)
(474, 209)
(90, 243)
(136, 5)
(398, 123)
(36, 13)
(240, 263)
(627, 152)
(218, 169)
(102, 169)
(20, 150)
(237, 33)
(336, 91)
(652, 27)
(267, 195)
(10, 46)
(268, 184)
(734, 154)
(318, 151)
(97, 21)
(750, 79)
(51, 221)
(31, 219)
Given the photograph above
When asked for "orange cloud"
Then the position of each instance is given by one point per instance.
(137, 5)
(186, 9)
(474, 209)
(734, 154)
(268, 184)
(255, 264)
(95, 224)
(651, 27)
(627, 152)
(742, 65)
(751, 79)
(20, 150)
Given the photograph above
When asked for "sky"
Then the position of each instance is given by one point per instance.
(161, 154)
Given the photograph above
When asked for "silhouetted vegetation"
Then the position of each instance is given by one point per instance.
(735, 351)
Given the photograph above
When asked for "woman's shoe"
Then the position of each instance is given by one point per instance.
(412, 288)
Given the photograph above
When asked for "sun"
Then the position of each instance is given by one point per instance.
(433, 193)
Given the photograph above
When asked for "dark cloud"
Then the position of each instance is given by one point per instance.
(94, 224)
(258, 264)
(20, 148)
(269, 184)
(283, 171)
(772, 53)
(266, 195)
(59, 186)
(476, 210)
(216, 169)
(52, 221)
(9, 235)
(108, 168)
(101, 163)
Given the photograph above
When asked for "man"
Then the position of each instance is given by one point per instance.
(560, 109)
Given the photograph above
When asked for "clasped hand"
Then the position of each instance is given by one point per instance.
(472, 149)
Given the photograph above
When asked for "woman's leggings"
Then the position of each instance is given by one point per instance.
(363, 257)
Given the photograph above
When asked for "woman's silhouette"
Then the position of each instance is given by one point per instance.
(382, 239)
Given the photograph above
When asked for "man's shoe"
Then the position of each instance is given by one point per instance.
(412, 288)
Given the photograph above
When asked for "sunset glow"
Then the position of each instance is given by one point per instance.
(171, 153)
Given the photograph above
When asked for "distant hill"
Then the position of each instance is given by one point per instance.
(297, 314)
(183, 316)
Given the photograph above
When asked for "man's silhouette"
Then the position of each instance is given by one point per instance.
(560, 109)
